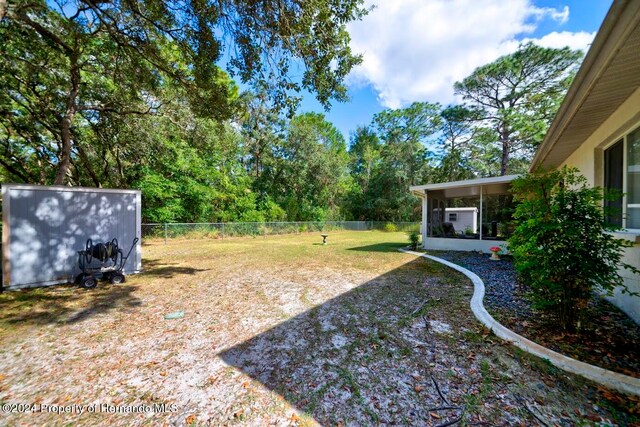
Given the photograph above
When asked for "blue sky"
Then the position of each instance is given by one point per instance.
(414, 50)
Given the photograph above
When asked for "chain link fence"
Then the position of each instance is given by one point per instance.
(223, 230)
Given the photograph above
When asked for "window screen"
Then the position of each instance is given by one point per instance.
(633, 179)
(613, 158)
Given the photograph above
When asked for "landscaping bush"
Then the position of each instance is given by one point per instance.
(390, 227)
(561, 246)
(414, 239)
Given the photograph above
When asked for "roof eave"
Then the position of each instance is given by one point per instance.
(618, 23)
(467, 183)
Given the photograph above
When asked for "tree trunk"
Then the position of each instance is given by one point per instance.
(505, 160)
(506, 147)
(43, 175)
(257, 155)
(67, 120)
(3, 8)
(87, 165)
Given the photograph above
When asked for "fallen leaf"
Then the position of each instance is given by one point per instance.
(418, 388)
(434, 415)
(190, 419)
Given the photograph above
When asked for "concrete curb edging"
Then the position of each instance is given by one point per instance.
(610, 379)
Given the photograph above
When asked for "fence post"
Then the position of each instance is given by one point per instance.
(223, 231)
(165, 232)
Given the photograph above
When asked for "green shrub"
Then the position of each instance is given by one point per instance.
(200, 232)
(390, 227)
(561, 246)
(413, 228)
(264, 230)
(414, 239)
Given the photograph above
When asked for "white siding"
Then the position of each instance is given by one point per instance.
(589, 160)
(465, 218)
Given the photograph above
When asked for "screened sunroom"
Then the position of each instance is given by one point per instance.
(490, 199)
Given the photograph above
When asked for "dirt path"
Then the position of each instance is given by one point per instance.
(278, 331)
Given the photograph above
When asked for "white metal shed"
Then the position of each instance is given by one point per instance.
(463, 219)
(44, 227)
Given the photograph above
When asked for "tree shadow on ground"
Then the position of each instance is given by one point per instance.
(380, 247)
(159, 268)
(358, 358)
(71, 304)
(64, 303)
(400, 348)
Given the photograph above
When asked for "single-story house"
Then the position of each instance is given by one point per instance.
(597, 130)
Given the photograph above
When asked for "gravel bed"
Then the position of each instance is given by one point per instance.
(609, 340)
(502, 290)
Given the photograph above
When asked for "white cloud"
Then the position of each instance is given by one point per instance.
(560, 16)
(414, 50)
(579, 40)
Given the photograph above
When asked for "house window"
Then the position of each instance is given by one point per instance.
(613, 180)
(633, 179)
(453, 217)
(624, 212)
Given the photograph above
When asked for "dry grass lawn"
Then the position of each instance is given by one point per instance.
(278, 331)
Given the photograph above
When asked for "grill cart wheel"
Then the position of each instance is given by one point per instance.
(116, 278)
(89, 282)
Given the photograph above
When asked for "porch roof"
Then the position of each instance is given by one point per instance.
(467, 188)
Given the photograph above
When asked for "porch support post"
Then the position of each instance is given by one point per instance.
(480, 225)
(425, 208)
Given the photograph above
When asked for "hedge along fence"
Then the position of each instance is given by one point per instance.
(221, 230)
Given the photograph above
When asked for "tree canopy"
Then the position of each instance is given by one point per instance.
(144, 95)
(68, 63)
(518, 96)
